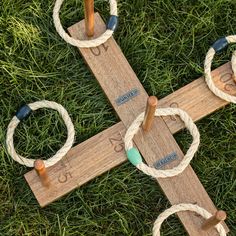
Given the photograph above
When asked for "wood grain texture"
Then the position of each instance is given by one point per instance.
(197, 106)
(105, 150)
(196, 99)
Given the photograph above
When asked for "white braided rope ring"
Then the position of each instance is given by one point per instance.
(233, 64)
(184, 207)
(85, 43)
(216, 47)
(136, 159)
(22, 114)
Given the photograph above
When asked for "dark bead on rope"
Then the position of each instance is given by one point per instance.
(112, 23)
(220, 44)
(23, 112)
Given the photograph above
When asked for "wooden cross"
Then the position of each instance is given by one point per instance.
(105, 150)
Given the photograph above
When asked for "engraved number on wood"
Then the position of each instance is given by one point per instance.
(117, 143)
(63, 177)
(65, 174)
(98, 50)
(229, 84)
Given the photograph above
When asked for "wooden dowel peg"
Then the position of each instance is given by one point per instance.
(214, 220)
(40, 168)
(150, 113)
(89, 17)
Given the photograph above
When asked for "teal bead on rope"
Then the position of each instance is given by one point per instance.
(134, 156)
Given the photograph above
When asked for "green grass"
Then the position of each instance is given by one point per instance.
(165, 43)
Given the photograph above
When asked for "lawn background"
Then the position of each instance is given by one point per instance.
(165, 42)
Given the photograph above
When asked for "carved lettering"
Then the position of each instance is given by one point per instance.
(229, 83)
(117, 143)
(98, 50)
(63, 177)
(63, 164)
(225, 78)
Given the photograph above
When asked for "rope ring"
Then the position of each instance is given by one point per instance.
(184, 207)
(111, 26)
(135, 157)
(233, 63)
(218, 46)
(23, 113)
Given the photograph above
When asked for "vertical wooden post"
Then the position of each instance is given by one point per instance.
(150, 113)
(89, 17)
(42, 173)
(214, 220)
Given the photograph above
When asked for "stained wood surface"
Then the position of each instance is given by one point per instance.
(197, 99)
(110, 140)
(105, 150)
(81, 164)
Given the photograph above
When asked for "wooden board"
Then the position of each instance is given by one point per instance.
(98, 154)
(87, 161)
(196, 99)
(110, 140)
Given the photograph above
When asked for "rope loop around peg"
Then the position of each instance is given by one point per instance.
(184, 207)
(23, 113)
(218, 46)
(111, 27)
(135, 157)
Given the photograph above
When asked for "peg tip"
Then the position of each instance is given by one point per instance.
(220, 215)
(150, 113)
(152, 101)
(39, 165)
(40, 168)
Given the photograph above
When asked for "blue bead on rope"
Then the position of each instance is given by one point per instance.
(23, 112)
(112, 23)
(220, 44)
(134, 156)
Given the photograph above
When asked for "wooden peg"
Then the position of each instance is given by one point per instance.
(214, 220)
(40, 168)
(150, 113)
(89, 17)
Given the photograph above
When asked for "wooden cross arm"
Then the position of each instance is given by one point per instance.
(105, 150)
